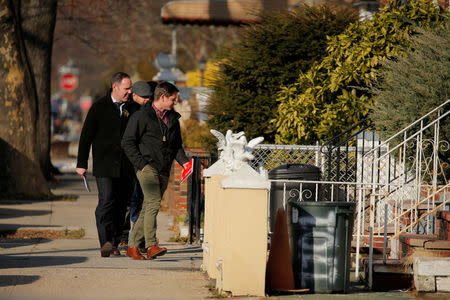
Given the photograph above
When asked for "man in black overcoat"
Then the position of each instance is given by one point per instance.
(103, 129)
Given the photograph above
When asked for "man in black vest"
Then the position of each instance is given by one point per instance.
(103, 129)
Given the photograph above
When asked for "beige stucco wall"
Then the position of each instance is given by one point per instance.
(212, 195)
(241, 241)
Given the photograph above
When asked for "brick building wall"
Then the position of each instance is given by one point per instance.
(175, 197)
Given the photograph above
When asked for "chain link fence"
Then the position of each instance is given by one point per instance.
(272, 156)
(339, 166)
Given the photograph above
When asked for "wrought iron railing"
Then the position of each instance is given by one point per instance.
(410, 164)
(195, 193)
(342, 152)
(408, 179)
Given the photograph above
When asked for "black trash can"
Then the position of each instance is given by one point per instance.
(292, 190)
(320, 237)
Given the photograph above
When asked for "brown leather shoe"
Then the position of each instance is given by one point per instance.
(134, 253)
(105, 250)
(155, 251)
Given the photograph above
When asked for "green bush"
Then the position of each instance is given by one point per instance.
(268, 55)
(413, 85)
(335, 93)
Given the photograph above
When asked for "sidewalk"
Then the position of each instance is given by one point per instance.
(64, 269)
(73, 269)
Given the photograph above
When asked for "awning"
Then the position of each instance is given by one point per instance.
(220, 11)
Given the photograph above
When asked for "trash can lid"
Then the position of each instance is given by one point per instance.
(294, 171)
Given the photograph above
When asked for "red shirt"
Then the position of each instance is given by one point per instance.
(161, 115)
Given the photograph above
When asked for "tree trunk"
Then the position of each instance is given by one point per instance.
(19, 163)
(38, 19)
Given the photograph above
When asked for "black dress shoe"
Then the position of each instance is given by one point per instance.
(106, 249)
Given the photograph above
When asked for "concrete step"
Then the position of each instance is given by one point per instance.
(390, 275)
(437, 245)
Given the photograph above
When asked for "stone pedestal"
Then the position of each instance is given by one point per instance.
(242, 233)
(236, 198)
(212, 195)
(242, 252)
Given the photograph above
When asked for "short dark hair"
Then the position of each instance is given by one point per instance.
(152, 85)
(165, 88)
(118, 77)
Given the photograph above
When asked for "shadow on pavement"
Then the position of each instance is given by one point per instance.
(9, 227)
(8, 280)
(52, 251)
(186, 250)
(26, 261)
(13, 243)
(179, 258)
(6, 213)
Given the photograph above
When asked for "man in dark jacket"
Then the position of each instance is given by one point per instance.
(152, 141)
(103, 129)
(141, 93)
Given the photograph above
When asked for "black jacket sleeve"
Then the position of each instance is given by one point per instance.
(131, 139)
(180, 157)
(86, 138)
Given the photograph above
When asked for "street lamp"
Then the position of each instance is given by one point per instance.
(202, 67)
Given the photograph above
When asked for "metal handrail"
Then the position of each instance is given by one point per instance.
(411, 125)
(422, 217)
(362, 122)
(332, 182)
(413, 207)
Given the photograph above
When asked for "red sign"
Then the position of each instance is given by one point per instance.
(188, 171)
(68, 82)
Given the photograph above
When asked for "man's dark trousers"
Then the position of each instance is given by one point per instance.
(113, 193)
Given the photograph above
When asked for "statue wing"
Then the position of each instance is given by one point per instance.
(254, 142)
(220, 137)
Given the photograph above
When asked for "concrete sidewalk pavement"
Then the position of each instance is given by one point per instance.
(73, 269)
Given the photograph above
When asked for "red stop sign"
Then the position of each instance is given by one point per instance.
(68, 82)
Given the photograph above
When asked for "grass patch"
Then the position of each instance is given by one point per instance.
(37, 197)
(43, 234)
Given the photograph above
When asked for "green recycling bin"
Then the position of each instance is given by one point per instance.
(320, 237)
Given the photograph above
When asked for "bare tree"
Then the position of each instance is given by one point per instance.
(38, 23)
(126, 35)
(22, 129)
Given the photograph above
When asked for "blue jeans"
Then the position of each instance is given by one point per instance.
(136, 202)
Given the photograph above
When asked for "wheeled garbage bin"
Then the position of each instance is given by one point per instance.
(320, 237)
(281, 193)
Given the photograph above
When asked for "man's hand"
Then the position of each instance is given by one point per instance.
(81, 171)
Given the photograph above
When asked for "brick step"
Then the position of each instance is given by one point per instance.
(444, 215)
